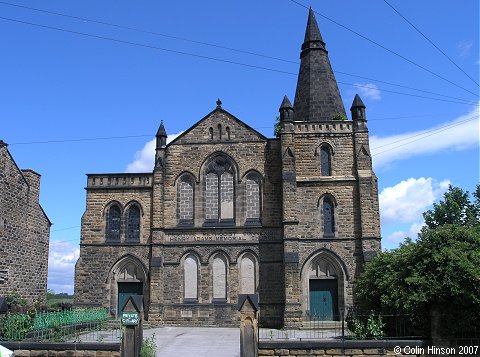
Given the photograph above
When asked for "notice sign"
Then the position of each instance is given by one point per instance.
(130, 319)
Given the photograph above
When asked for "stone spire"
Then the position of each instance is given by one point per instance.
(317, 97)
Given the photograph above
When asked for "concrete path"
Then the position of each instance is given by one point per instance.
(196, 341)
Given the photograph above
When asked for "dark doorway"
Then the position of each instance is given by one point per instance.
(324, 299)
(126, 289)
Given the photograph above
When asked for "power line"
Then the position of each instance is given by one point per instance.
(82, 139)
(386, 48)
(422, 135)
(219, 59)
(64, 229)
(430, 41)
(136, 29)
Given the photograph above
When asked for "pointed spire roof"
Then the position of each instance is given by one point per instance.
(312, 33)
(161, 131)
(317, 97)
(286, 103)
(357, 102)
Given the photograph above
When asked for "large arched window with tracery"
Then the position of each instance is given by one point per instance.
(185, 203)
(112, 231)
(219, 191)
(133, 223)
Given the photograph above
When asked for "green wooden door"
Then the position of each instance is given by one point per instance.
(323, 299)
(126, 289)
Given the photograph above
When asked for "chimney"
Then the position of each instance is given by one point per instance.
(33, 180)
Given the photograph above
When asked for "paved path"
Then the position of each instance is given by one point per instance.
(196, 341)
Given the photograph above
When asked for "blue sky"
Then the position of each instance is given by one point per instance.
(58, 85)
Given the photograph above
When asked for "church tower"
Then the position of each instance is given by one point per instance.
(330, 198)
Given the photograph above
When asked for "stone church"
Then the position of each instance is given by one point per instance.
(228, 211)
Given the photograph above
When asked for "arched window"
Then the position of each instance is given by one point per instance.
(113, 224)
(219, 192)
(219, 275)
(328, 217)
(252, 199)
(326, 160)
(247, 274)
(190, 278)
(210, 133)
(133, 224)
(185, 206)
(228, 132)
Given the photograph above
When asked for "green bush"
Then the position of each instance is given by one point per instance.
(149, 347)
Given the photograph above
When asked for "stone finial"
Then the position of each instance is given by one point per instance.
(161, 136)
(286, 110)
(219, 103)
(358, 109)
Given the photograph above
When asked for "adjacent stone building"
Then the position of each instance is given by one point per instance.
(227, 211)
(24, 232)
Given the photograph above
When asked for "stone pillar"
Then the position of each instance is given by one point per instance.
(132, 329)
(248, 307)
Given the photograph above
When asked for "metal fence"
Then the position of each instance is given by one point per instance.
(356, 326)
(91, 324)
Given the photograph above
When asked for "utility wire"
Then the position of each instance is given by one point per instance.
(386, 48)
(212, 45)
(136, 29)
(430, 41)
(220, 60)
(422, 134)
(64, 229)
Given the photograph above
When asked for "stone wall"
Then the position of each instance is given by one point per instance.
(24, 232)
(50, 349)
(330, 348)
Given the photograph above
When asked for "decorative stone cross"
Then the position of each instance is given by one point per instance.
(219, 103)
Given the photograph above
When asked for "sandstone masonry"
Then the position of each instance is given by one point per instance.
(227, 211)
(24, 231)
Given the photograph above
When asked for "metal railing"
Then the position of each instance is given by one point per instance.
(90, 324)
(365, 326)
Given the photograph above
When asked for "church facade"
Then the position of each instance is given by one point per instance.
(228, 211)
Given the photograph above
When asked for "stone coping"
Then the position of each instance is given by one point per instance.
(61, 346)
(350, 344)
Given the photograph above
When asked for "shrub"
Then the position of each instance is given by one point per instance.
(149, 347)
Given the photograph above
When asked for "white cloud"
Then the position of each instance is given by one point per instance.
(61, 266)
(406, 201)
(368, 90)
(145, 158)
(465, 47)
(399, 236)
(459, 134)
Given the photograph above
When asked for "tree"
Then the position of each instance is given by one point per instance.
(277, 128)
(435, 277)
(456, 208)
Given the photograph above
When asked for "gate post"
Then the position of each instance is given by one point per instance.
(248, 307)
(132, 329)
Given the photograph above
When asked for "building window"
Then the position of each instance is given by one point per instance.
(133, 224)
(219, 192)
(185, 205)
(247, 274)
(252, 199)
(328, 217)
(190, 278)
(113, 224)
(219, 275)
(326, 160)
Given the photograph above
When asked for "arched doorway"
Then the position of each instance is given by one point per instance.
(127, 277)
(323, 284)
